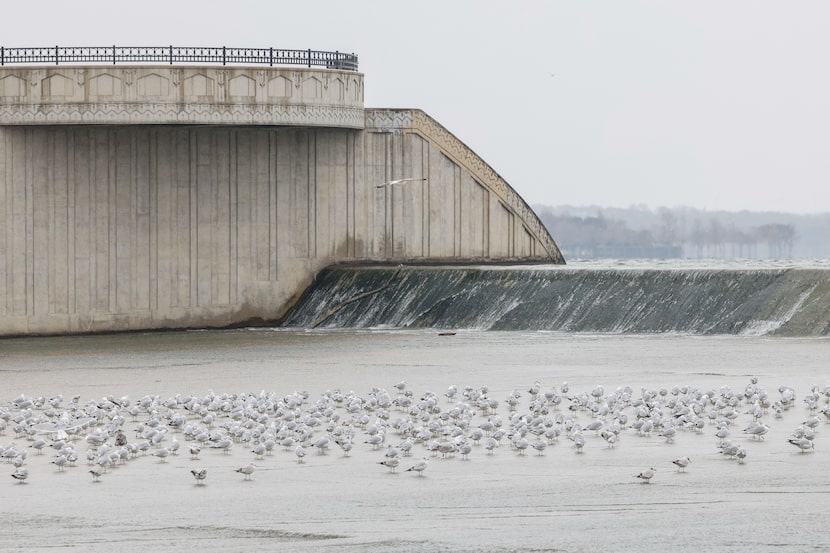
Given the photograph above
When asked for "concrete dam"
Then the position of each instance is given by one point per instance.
(152, 188)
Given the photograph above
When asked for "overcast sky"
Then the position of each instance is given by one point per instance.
(714, 104)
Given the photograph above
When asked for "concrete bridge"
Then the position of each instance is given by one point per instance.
(156, 188)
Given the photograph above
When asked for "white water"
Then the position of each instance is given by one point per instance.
(561, 501)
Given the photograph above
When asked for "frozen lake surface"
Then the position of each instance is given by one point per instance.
(561, 500)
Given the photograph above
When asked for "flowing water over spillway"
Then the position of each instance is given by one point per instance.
(679, 297)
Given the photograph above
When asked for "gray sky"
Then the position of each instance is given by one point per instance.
(714, 104)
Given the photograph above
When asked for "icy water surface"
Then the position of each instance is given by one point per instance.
(561, 500)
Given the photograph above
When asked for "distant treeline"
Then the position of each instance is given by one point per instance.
(683, 232)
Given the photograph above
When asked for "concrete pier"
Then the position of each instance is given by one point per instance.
(171, 197)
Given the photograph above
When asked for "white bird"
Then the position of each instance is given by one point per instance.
(195, 449)
(419, 467)
(740, 455)
(579, 441)
(96, 474)
(345, 445)
(322, 444)
(39, 444)
(392, 463)
(682, 463)
(647, 475)
(802, 443)
(21, 474)
(757, 430)
(60, 461)
(300, 453)
(399, 181)
(199, 475)
(247, 470)
(162, 454)
(224, 444)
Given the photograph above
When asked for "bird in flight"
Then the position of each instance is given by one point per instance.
(399, 181)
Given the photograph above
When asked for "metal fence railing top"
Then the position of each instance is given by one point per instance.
(177, 54)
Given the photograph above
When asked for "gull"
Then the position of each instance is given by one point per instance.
(521, 444)
(195, 449)
(668, 432)
(647, 475)
(345, 445)
(490, 444)
(741, 455)
(199, 475)
(96, 474)
(247, 470)
(812, 422)
(21, 474)
(60, 461)
(224, 444)
(419, 467)
(300, 453)
(392, 463)
(579, 441)
(322, 444)
(259, 450)
(464, 448)
(802, 443)
(757, 430)
(406, 447)
(39, 444)
(682, 463)
(162, 454)
(399, 181)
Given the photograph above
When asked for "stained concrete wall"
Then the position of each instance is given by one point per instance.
(120, 227)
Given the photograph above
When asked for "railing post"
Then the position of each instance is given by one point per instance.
(223, 55)
(2, 55)
(171, 54)
(113, 54)
(271, 56)
(309, 57)
(56, 55)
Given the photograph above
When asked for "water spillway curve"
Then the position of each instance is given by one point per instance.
(774, 301)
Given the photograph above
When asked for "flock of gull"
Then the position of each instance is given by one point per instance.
(406, 429)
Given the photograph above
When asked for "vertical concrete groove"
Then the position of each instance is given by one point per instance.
(193, 205)
(153, 223)
(31, 246)
(112, 219)
(71, 187)
(233, 215)
(272, 183)
(5, 265)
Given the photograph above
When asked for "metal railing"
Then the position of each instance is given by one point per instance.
(178, 54)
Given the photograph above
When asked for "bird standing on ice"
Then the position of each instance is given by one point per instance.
(247, 470)
(419, 467)
(682, 463)
(647, 475)
(199, 475)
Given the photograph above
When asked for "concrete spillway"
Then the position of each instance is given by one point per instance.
(786, 302)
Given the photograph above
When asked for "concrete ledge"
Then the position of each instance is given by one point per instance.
(181, 95)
